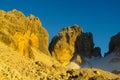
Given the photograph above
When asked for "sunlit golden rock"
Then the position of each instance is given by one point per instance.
(24, 38)
(62, 46)
(14, 66)
(72, 41)
(23, 33)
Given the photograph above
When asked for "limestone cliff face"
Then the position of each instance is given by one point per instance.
(114, 45)
(24, 36)
(23, 33)
(62, 46)
(70, 43)
(84, 46)
(114, 51)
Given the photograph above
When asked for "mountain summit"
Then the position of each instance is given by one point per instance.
(72, 42)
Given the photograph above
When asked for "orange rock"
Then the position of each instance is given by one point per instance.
(62, 46)
(23, 33)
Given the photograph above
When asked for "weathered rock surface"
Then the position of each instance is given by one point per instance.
(114, 45)
(84, 46)
(116, 72)
(23, 38)
(111, 61)
(72, 41)
(14, 66)
(96, 52)
(23, 33)
(62, 46)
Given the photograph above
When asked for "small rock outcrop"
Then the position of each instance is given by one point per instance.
(73, 41)
(23, 33)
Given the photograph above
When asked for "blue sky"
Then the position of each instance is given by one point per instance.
(101, 17)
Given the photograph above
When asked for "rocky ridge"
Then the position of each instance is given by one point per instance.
(16, 67)
(21, 33)
(114, 45)
(62, 46)
(72, 42)
(26, 35)
(24, 53)
(111, 61)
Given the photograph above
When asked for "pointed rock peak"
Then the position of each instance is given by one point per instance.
(16, 12)
(31, 17)
(75, 26)
(72, 29)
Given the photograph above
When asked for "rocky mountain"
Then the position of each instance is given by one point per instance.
(72, 42)
(62, 46)
(21, 33)
(114, 49)
(24, 53)
(114, 45)
(16, 67)
(26, 35)
(111, 61)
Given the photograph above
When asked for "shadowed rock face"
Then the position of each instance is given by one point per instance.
(114, 42)
(96, 52)
(71, 41)
(23, 33)
(114, 45)
(84, 44)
